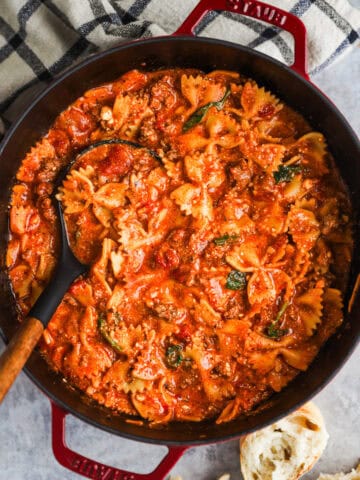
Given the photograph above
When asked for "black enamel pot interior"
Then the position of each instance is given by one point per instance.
(205, 54)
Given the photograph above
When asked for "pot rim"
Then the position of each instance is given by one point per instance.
(168, 38)
(208, 41)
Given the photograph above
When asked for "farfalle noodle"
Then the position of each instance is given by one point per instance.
(216, 264)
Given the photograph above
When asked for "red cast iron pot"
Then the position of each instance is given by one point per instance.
(183, 50)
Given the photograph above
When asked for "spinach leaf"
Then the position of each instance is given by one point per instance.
(272, 330)
(102, 325)
(224, 239)
(236, 280)
(174, 356)
(286, 173)
(200, 113)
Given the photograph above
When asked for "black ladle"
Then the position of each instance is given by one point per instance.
(67, 270)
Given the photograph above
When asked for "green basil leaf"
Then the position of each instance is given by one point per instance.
(200, 113)
(236, 280)
(174, 356)
(281, 312)
(286, 173)
(272, 330)
(224, 239)
(106, 336)
(196, 117)
(220, 104)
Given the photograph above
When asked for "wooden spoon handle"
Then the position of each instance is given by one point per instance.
(18, 351)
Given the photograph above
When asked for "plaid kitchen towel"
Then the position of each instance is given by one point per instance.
(40, 38)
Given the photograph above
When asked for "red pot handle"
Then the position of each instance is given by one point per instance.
(91, 469)
(260, 11)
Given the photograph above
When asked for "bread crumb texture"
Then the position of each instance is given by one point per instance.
(287, 449)
(353, 475)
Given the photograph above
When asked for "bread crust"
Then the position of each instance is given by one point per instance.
(353, 475)
(287, 449)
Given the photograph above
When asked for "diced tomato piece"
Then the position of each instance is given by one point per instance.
(60, 141)
(167, 257)
(118, 162)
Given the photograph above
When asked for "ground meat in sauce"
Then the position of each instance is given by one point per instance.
(216, 266)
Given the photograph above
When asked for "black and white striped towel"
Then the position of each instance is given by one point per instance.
(40, 38)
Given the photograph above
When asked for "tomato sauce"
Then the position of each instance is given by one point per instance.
(218, 236)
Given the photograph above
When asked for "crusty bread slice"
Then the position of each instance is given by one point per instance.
(287, 449)
(353, 475)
